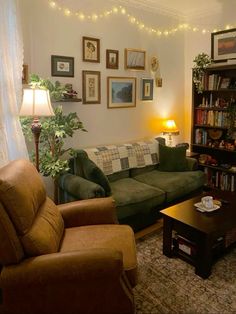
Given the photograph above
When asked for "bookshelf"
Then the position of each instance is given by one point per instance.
(214, 126)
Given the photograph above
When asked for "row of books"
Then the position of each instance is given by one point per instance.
(211, 118)
(200, 136)
(215, 82)
(220, 180)
(210, 102)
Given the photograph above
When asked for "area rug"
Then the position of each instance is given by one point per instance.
(170, 285)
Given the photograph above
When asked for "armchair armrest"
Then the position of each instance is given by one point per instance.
(192, 164)
(89, 212)
(61, 268)
(80, 187)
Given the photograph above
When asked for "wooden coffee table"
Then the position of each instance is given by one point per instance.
(201, 229)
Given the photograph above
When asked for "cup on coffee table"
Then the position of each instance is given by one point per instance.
(207, 202)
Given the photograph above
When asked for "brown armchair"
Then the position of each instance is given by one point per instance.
(66, 259)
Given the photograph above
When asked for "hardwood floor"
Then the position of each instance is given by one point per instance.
(157, 226)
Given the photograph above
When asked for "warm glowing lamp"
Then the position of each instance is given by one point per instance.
(170, 129)
(36, 102)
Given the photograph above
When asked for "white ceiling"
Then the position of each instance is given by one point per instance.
(181, 9)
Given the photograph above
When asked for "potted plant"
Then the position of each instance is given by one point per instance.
(202, 61)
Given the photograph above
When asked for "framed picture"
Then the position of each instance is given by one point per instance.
(135, 59)
(25, 74)
(147, 89)
(112, 59)
(91, 49)
(91, 87)
(223, 45)
(62, 66)
(121, 92)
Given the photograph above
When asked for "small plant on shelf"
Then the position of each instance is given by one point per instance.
(202, 61)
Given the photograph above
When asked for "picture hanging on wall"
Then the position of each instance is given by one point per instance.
(91, 49)
(62, 66)
(112, 59)
(223, 45)
(146, 89)
(91, 81)
(135, 59)
(121, 92)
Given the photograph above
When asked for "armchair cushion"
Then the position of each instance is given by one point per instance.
(172, 158)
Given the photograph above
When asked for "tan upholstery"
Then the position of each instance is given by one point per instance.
(67, 259)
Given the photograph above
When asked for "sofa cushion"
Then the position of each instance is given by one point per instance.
(95, 174)
(172, 158)
(175, 184)
(133, 197)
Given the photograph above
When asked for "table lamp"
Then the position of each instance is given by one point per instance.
(36, 102)
(170, 129)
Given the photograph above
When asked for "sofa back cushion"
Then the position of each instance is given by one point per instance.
(119, 175)
(172, 158)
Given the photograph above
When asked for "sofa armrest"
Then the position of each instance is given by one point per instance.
(89, 212)
(192, 164)
(79, 187)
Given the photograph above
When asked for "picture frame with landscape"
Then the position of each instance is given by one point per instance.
(62, 66)
(121, 92)
(135, 59)
(223, 45)
(112, 59)
(91, 49)
(91, 81)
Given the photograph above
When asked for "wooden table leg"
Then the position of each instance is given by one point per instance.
(167, 236)
(204, 256)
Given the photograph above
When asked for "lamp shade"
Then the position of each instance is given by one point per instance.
(36, 102)
(170, 127)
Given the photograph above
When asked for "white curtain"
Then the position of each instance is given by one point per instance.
(12, 142)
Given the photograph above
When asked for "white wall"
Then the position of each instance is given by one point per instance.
(47, 32)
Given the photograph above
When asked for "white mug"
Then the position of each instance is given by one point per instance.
(207, 202)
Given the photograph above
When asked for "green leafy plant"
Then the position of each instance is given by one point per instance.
(202, 61)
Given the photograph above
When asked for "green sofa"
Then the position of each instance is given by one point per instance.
(139, 176)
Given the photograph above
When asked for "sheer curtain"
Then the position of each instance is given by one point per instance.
(12, 142)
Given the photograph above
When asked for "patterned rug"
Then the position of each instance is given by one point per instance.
(169, 285)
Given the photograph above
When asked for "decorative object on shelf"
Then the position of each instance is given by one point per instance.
(121, 92)
(69, 92)
(91, 87)
(146, 89)
(112, 59)
(170, 129)
(202, 61)
(91, 49)
(223, 45)
(62, 66)
(36, 102)
(54, 130)
(135, 59)
(25, 74)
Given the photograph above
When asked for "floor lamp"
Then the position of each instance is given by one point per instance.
(36, 103)
(170, 129)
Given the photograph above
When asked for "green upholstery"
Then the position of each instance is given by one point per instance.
(172, 158)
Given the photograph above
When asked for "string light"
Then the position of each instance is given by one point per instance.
(134, 20)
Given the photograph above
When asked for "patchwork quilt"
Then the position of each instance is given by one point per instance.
(114, 158)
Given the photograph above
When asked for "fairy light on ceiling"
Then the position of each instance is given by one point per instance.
(158, 31)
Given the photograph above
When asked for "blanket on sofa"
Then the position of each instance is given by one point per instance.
(114, 158)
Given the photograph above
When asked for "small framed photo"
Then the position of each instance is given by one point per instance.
(112, 59)
(62, 66)
(25, 74)
(91, 87)
(91, 49)
(121, 92)
(223, 45)
(135, 59)
(146, 89)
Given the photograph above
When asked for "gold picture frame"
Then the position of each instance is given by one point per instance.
(91, 81)
(112, 59)
(91, 49)
(135, 59)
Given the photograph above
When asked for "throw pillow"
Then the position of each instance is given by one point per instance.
(172, 158)
(93, 173)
